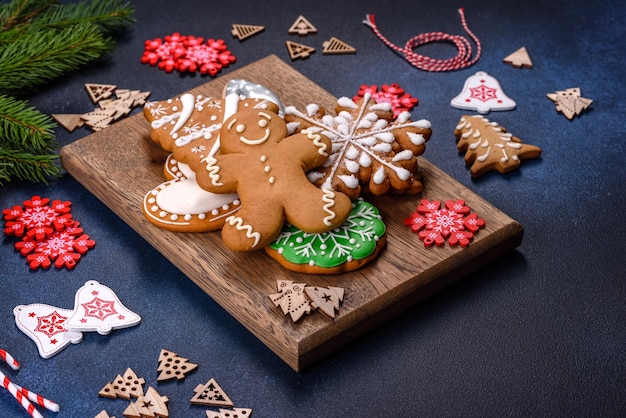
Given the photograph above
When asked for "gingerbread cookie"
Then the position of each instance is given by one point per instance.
(372, 151)
(488, 146)
(188, 126)
(267, 168)
(348, 247)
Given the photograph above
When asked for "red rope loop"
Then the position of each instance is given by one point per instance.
(462, 60)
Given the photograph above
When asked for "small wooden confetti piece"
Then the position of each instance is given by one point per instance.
(242, 32)
(519, 59)
(297, 50)
(152, 404)
(98, 92)
(210, 394)
(171, 366)
(69, 121)
(302, 27)
(569, 102)
(336, 46)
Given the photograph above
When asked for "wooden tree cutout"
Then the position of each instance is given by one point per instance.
(103, 414)
(302, 27)
(325, 299)
(336, 46)
(69, 121)
(297, 50)
(230, 413)
(488, 146)
(98, 92)
(291, 299)
(210, 394)
(150, 405)
(569, 102)
(519, 59)
(126, 386)
(173, 366)
(242, 32)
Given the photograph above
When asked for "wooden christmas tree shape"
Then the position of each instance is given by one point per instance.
(297, 50)
(291, 299)
(69, 121)
(98, 92)
(325, 299)
(103, 414)
(519, 59)
(242, 32)
(99, 119)
(172, 366)
(488, 146)
(210, 394)
(125, 387)
(230, 413)
(335, 46)
(569, 102)
(150, 405)
(302, 27)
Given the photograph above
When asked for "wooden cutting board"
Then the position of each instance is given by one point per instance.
(404, 273)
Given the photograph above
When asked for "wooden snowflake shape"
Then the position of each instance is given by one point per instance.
(453, 223)
(389, 93)
(372, 152)
(488, 146)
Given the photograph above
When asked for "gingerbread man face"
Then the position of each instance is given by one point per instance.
(267, 169)
(251, 127)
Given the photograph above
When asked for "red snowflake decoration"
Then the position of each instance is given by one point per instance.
(453, 222)
(187, 54)
(51, 324)
(48, 233)
(389, 93)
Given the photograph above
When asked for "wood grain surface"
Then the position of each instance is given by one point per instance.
(404, 273)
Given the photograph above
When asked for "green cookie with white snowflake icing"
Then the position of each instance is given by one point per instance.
(350, 246)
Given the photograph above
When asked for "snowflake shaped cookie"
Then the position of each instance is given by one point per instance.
(389, 93)
(371, 151)
(453, 222)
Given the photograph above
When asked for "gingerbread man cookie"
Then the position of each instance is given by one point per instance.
(267, 169)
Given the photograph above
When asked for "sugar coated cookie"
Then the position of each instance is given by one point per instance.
(348, 247)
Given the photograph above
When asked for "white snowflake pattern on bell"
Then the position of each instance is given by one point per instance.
(97, 308)
(45, 325)
(483, 94)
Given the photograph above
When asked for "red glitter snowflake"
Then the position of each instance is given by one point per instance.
(187, 54)
(453, 222)
(389, 93)
(64, 248)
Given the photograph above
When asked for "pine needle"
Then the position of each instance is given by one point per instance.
(40, 56)
(25, 127)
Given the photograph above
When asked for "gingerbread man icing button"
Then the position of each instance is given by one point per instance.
(267, 168)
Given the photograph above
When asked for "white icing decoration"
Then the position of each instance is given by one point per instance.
(379, 176)
(403, 155)
(187, 100)
(352, 166)
(346, 102)
(417, 139)
(240, 226)
(350, 181)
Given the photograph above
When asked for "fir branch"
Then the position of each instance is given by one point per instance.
(40, 56)
(25, 127)
(25, 166)
(19, 12)
(109, 15)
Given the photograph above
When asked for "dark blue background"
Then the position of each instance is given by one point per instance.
(539, 332)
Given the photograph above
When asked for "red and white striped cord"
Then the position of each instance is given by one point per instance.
(462, 60)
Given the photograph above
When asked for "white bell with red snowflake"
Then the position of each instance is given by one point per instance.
(482, 93)
(97, 308)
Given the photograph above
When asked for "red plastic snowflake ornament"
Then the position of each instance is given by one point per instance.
(389, 93)
(37, 219)
(187, 54)
(48, 231)
(453, 222)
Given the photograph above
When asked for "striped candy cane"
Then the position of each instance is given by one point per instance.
(462, 60)
(19, 396)
(14, 364)
(38, 399)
